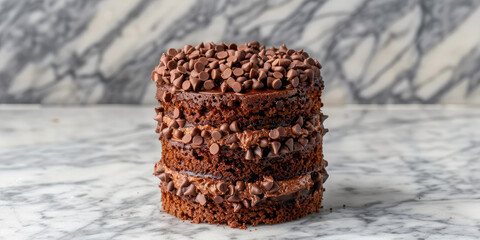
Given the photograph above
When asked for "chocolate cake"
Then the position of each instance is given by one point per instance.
(241, 129)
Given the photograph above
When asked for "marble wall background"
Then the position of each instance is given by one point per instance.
(385, 51)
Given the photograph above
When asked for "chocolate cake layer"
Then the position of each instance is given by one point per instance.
(239, 216)
(254, 108)
(232, 166)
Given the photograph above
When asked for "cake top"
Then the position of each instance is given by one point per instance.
(235, 68)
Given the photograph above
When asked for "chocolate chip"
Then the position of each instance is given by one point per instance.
(195, 131)
(181, 122)
(267, 185)
(284, 62)
(289, 144)
(323, 117)
(171, 52)
(214, 148)
(158, 117)
(179, 192)
(237, 87)
(239, 186)
(186, 85)
(258, 152)
(257, 85)
(191, 190)
(274, 134)
(234, 146)
(292, 73)
(201, 199)
(205, 133)
(234, 127)
(282, 131)
(249, 155)
(278, 75)
(178, 134)
(310, 61)
(276, 146)
(222, 54)
(215, 74)
(316, 177)
(231, 139)
(203, 76)
(222, 187)
(224, 128)
(178, 82)
(167, 133)
(303, 141)
(184, 182)
(238, 72)
(218, 199)
(217, 135)
(245, 203)
(224, 87)
(227, 73)
(196, 83)
(170, 186)
(297, 129)
(177, 113)
(197, 140)
(297, 146)
(171, 65)
(209, 85)
(233, 198)
(159, 169)
(187, 139)
(199, 66)
(274, 188)
(263, 143)
(277, 84)
(236, 207)
(255, 189)
(164, 177)
(255, 200)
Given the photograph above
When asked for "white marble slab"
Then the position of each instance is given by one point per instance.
(85, 173)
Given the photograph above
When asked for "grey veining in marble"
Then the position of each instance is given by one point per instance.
(85, 173)
(373, 51)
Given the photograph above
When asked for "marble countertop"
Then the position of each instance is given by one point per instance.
(403, 172)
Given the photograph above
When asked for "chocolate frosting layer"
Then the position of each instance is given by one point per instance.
(252, 191)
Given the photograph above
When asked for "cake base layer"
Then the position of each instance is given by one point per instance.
(270, 212)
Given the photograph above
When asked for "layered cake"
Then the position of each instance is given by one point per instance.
(241, 129)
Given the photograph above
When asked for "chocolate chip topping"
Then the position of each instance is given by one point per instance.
(297, 129)
(190, 191)
(276, 146)
(214, 148)
(170, 186)
(267, 185)
(234, 127)
(197, 140)
(274, 134)
(217, 135)
(248, 64)
(165, 177)
(256, 190)
(187, 139)
(236, 207)
(239, 186)
(222, 187)
(201, 199)
(249, 155)
(233, 198)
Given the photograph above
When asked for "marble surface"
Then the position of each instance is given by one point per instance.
(373, 51)
(404, 172)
